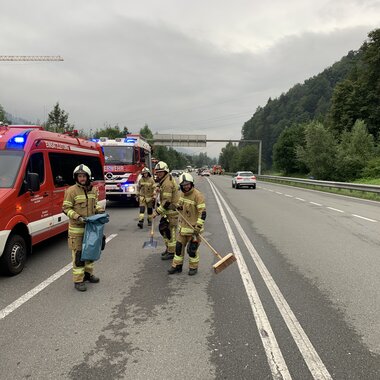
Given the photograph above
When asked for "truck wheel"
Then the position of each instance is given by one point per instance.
(13, 260)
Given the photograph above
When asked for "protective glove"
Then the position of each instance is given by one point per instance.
(197, 229)
(82, 220)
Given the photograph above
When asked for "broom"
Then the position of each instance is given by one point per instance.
(223, 262)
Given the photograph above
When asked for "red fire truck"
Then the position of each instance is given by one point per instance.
(36, 167)
(217, 169)
(125, 157)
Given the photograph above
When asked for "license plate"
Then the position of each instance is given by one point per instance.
(111, 187)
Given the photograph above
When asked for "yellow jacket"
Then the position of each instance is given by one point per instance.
(169, 196)
(80, 201)
(193, 207)
(146, 188)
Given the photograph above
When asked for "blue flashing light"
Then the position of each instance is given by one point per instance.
(18, 141)
(94, 140)
(129, 140)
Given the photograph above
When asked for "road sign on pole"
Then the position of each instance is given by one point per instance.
(179, 140)
(198, 141)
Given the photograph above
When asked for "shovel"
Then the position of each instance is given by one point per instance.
(151, 243)
(223, 262)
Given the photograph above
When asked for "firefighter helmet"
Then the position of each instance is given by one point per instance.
(161, 167)
(186, 179)
(82, 169)
(145, 170)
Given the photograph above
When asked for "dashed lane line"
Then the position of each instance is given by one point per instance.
(318, 204)
(335, 209)
(362, 217)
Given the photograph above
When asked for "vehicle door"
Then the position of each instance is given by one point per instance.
(37, 206)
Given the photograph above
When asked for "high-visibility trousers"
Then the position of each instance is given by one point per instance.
(183, 242)
(80, 267)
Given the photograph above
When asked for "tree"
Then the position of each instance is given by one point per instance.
(228, 156)
(3, 118)
(147, 133)
(58, 121)
(110, 132)
(354, 152)
(320, 151)
(285, 149)
(246, 159)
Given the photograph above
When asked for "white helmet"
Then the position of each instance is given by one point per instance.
(145, 170)
(161, 167)
(185, 179)
(82, 169)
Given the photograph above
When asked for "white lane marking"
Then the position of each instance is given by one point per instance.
(277, 192)
(275, 359)
(27, 296)
(334, 209)
(110, 237)
(310, 355)
(330, 208)
(362, 217)
(272, 191)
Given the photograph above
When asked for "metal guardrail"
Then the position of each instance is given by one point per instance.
(329, 184)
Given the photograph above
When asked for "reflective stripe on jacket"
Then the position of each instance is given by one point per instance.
(192, 204)
(80, 201)
(146, 188)
(169, 193)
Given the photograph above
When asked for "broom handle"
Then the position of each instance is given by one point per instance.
(202, 238)
(152, 228)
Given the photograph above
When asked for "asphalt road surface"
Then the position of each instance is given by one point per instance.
(301, 302)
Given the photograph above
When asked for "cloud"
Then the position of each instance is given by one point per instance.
(179, 74)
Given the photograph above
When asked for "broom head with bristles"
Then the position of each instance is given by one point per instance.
(224, 263)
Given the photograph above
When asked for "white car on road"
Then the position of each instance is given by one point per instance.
(242, 179)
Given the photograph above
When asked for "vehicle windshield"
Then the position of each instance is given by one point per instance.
(120, 155)
(245, 174)
(9, 166)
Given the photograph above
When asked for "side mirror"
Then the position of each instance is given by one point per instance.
(33, 182)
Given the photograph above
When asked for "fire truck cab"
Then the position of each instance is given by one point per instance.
(125, 157)
(36, 167)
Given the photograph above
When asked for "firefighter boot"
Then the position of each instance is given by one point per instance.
(140, 223)
(192, 271)
(80, 286)
(167, 256)
(90, 278)
(149, 223)
(176, 269)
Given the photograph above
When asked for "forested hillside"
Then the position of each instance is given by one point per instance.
(342, 104)
(302, 103)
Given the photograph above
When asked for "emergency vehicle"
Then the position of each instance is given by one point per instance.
(125, 157)
(217, 169)
(36, 167)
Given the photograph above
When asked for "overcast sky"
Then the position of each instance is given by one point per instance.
(181, 66)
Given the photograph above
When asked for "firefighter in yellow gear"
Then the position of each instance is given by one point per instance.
(169, 196)
(80, 201)
(193, 207)
(146, 186)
